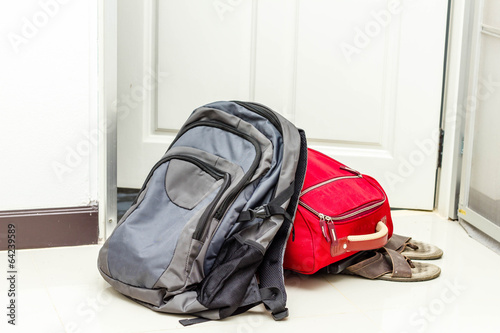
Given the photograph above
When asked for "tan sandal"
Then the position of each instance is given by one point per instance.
(413, 249)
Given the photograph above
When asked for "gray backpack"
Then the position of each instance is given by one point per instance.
(206, 234)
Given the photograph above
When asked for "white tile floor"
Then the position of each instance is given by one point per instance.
(60, 290)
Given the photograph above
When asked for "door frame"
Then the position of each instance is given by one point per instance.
(107, 106)
(454, 97)
(465, 212)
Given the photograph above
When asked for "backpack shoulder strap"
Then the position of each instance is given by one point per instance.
(271, 275)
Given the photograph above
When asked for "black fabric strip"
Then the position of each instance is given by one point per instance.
(271, 209)
(273, 299)
(193, 321)
(283, 196)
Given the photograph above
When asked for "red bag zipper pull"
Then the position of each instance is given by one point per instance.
(324, 227)
(346, 168)
(331, 230)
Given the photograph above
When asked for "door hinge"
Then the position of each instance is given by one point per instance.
(440, 148)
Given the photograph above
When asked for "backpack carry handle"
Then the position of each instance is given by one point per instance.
(368, 241)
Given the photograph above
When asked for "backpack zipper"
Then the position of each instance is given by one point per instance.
(202, 227)
(215, 173)
(263, 111)
(248, 175)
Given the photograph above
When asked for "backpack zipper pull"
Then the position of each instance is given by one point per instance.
(324, 227)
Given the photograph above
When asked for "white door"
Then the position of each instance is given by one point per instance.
(363, 78)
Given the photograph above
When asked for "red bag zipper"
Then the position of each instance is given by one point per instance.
(327, 222)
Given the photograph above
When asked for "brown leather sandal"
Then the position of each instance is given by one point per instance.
(413, 249)
(390, 265)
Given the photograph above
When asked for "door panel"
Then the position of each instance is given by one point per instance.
(362, 78)
(198, 50)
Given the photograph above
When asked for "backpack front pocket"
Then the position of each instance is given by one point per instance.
(188, 192)
(144, 244)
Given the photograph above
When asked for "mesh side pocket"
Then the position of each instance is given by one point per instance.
(226, 285)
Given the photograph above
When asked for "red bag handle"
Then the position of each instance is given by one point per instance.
(368, 241)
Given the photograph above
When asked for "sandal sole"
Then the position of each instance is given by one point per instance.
(425, 251)
(421, 272)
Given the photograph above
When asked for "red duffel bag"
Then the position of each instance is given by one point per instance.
(340, 213)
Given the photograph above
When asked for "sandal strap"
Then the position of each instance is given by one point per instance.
(398, 243)
(371, 268)
(401, 267)
(382, 263)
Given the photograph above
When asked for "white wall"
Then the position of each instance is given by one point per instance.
(48, 103)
